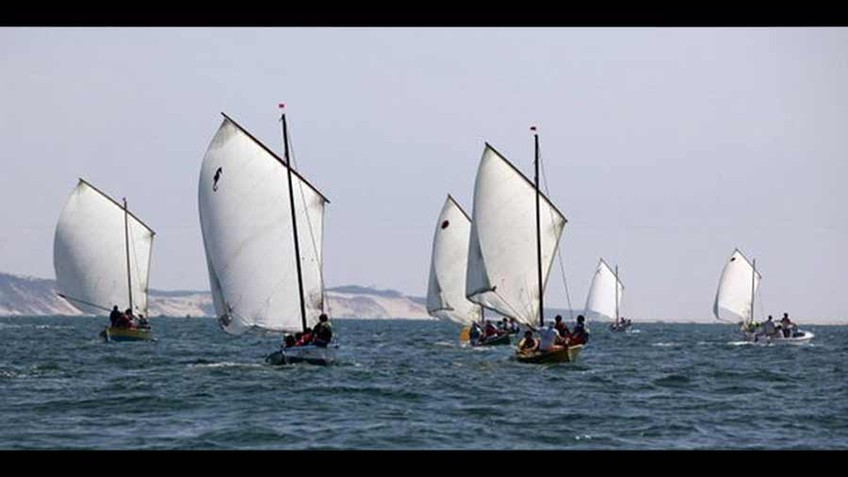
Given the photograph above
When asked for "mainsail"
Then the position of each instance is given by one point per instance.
(246, 220)
(734, 293)
(90, 247)
(502, 255)
(446, 291)
(603, 298)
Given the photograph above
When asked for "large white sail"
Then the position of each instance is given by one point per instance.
(90, 253)
(734, 288)
(602, 298)
(502, 263)
(446, 291)
(245, 217)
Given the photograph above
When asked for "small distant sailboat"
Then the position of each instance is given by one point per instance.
(735, 296)
(101, 257)
(448, 265)
(512, 248)
(262, 225)
(604, 296)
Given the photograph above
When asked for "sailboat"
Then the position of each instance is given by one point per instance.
(515, 233)
(262, 225)
(735, 298)
(448, 265)
(604, 296)
(101, 257)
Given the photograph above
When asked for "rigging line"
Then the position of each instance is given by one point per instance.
(559, 249)
(70, 298)
(135, 271)
(324, 301)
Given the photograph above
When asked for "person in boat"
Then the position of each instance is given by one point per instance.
(323, 331)
(114, 317)
(476, 333)
(579, 335)
(503, 326)
(769, 329)
(289, 340)
(561, 327)
(133, 320)
(550, 337)
(787, 326)
(142, 322)
(305, 338)
(125, 319)
(491, 331)
(528, 344)
(513, 326)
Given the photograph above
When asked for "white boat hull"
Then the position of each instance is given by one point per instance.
(802, 337)
(311, 354)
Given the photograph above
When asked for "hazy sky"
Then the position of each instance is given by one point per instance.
(664, 147)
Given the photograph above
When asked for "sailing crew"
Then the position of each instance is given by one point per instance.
(579, 335)
(550, 335)
(131, 320)
(305, 338)
(528, 343)
(289, 341)
(491, 330)
(475, 333)
(513, 326)
(768, 328)
(323, 331)
(561, 327)
(125, 319)
(115, 316)
(787, 326)
(142, 322)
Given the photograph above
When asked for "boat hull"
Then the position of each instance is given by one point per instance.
(565, 355)
(310, 354)
(802, 337)
(127, 334)
(496, 341)
(619, 327)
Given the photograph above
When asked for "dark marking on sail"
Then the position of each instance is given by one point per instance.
(732, 258)
(217, 176)
(226, 319)
(445, 224)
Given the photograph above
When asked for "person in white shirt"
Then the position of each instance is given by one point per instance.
(549, 339)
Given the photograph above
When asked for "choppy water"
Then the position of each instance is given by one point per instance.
(409, 385)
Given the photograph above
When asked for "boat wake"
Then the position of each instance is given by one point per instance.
(225, 364)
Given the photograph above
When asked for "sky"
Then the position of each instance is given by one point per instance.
(665, 148)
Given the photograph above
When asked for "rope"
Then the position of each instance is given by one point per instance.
(559, 253)
(324, 300)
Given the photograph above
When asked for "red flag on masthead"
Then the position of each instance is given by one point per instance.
(281, 105)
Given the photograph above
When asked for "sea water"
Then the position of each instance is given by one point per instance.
(402, 384)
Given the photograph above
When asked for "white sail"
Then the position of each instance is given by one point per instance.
(502, 262)
(90, 253)
(446, 291)
(245, 217)
(602, 298)
(734, 288)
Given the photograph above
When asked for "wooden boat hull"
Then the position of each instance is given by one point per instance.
(310, 354)
(127, 334)
(565, 355)
(497, 341)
